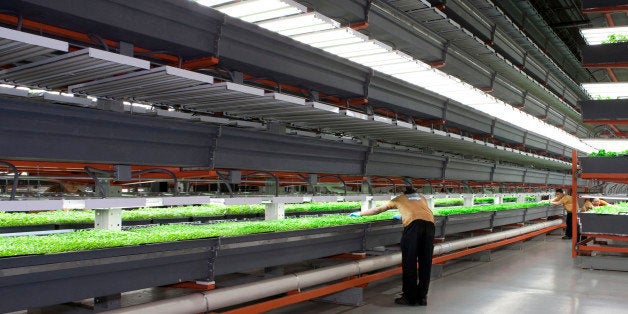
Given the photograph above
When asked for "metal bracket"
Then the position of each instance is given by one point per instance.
(525, 137)
(445, 107)
(445, 164)
(525, 173)
(344, 184)
(269, 174)
(443, 60)
(391, 181)
(367, 83)
(367, 155)
(492, 174)
(546, 78)
(493, 31)
(522, 27)
(310, 180)
(493, 127)
(524, 99)
(407, 181)
(525, 60)
(490, 89)
(91, 172)
(218, 36)
(16, 177)
(226, 182)
(367, 180)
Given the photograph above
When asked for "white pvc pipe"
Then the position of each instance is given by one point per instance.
(223, 297)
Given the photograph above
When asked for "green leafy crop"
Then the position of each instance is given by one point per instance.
(209, 210)
(96, 239)
(486, 208)
(604, 153)
(615, 38)
(446, 202)
(619, 208)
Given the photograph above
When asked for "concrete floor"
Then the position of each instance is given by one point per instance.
(540, 278)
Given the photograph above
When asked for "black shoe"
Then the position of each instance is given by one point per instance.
(422, 301)
(404, 301)
(566, 238)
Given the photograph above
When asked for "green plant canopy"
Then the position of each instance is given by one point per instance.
(619, 208)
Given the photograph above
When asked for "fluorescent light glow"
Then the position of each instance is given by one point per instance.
(595, 36)
(611, 145)
(261, 10)
(211, 3)
(321, 32)
(612, 90)
(299, 24)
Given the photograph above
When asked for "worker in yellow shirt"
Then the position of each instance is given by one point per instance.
(417, 243)
(566, 201)
(591, 203)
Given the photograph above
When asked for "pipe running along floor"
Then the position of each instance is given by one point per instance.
(540, 278)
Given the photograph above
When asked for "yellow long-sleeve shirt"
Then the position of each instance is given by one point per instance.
(411, 207)
(566, 201)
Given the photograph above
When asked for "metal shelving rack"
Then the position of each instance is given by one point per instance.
(583, 251)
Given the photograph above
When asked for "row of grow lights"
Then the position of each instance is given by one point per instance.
(293, 20)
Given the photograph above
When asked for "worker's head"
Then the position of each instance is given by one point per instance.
(409, 190)
(596, 202)
(559, 193)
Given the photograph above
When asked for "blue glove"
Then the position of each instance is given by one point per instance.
(355, 214)
(397, 217)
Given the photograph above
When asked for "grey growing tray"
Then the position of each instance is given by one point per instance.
(604, 223)
(533, 213)
(468, 222)
(604, 164)
(507, 217)
(40, 280)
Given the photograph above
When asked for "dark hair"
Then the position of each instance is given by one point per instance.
(559, 191)
(409, 190)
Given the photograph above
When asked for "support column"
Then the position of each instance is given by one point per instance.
(108, 219)
(107, 303)
(275, 211)
(468, 199)
(521, 198)
(367, 203)
(498, 199)
(430, 201)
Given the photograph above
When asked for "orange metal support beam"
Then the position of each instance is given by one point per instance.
(199, 63)
(574, 204)
(594, 121)
(619, 8)
(614, 249)
(606, 65)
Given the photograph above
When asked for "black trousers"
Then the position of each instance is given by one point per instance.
(417, 244)
(568, 228)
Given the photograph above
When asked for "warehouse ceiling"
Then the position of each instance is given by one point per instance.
(472, 40)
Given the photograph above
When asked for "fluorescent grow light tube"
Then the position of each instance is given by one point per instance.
(595, 36)
(603, 90)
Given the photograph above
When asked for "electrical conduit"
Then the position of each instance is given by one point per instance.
(224, 297)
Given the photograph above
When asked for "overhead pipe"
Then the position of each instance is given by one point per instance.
(224, 297)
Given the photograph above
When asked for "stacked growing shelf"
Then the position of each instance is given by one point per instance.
(612, 252)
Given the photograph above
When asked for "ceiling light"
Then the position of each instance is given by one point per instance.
(603, 90)
(261, 10)
(299, 24)
(611, 145)
(595, 36)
